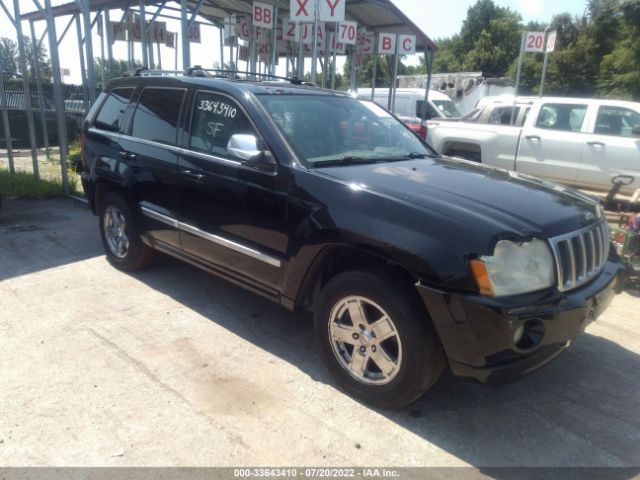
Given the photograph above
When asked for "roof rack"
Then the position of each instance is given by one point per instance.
(198, 71)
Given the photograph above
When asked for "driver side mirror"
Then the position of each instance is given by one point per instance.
(248, 148)
(635, 131)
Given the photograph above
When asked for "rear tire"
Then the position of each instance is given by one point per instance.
(120, 234)
(376, 339)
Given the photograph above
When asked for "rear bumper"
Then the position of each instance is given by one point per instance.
(479, 333)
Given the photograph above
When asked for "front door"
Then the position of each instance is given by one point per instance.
(231, 215)
(552, 147)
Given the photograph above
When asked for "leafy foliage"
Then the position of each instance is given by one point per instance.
(597, 53)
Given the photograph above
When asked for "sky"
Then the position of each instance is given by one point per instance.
(437, 18)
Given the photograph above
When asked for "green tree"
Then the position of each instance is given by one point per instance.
(10, 63)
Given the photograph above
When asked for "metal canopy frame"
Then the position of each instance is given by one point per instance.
(374, 15)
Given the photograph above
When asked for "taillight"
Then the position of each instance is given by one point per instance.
(422, 133)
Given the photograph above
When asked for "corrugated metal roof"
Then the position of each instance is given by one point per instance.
(374, 15)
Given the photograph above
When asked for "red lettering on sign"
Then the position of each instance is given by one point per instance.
(406, 44)
(333, 6)
(302, 4)
(386, 43)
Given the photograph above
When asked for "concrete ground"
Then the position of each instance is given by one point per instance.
(171, 366)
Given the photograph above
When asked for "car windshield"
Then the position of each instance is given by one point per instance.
(326, 130)
(448, 108)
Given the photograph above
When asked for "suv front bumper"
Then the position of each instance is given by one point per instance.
(479, 333)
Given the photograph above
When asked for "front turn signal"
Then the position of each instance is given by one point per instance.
(479, 270)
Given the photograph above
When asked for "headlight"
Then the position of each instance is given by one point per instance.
(515, 268)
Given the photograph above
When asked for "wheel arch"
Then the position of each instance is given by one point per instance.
(334, 259)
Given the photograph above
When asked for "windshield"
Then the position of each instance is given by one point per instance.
(448, 108)
(326, 130)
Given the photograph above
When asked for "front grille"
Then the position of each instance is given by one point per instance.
(580, 255)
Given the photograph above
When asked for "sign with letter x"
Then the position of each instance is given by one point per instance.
(303, 10)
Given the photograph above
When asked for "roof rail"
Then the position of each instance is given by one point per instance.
(198, 71)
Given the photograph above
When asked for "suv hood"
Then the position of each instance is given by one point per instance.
(490, 198)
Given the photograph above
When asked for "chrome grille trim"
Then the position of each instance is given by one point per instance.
(580, 255)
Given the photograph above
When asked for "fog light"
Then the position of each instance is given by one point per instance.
(531, 333)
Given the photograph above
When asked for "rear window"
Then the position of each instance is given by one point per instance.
(156, 115)
(112, 111)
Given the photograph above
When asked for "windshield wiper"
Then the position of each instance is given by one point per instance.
(345, 161)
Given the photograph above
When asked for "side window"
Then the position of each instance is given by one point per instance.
(617, 121)
(110, 115)
(156, 116)
(215, 119)
(561, 116)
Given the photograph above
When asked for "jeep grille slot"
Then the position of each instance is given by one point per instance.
(580, 255)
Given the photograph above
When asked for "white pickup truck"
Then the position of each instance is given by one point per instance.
(576, 141)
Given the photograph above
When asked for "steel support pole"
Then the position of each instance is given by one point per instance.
(36, 71)
(221, 34)
(545, 64)
(299, 26)
(429, 61)
(184, 24)
(83, 71)
(515, 94)
(274, 42)
(57, 94)
(253, 53)
(325, 69)
(159, 56)
(175, 53)
(334, 55)
(103, 64)
(392, 90)
(5, 121)
(143, 34)
(88, 45)
(314, 48)
(27, 88)
(375, 67)
(354, 84)
(107, 20)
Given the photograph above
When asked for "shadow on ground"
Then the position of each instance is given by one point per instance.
(41, 234)
(581, 410)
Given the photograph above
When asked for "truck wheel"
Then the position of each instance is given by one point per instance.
(376, 339)
(120, 235)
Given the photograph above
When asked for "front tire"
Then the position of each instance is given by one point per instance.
(376, 339)
(120, 235)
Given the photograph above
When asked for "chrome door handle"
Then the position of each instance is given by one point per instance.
(596, 144)
(192, 175)
(532, 137)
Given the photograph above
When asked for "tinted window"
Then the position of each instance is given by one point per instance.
(112, 111)
(215, 119)
(616, 121)
(156, 116)
(564, 117)
(448, 108)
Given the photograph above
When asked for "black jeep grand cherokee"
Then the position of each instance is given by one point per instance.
(322, 202)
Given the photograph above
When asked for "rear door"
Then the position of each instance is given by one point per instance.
(102, 142)
(612, 149)
(150, 153)
(551, 145)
